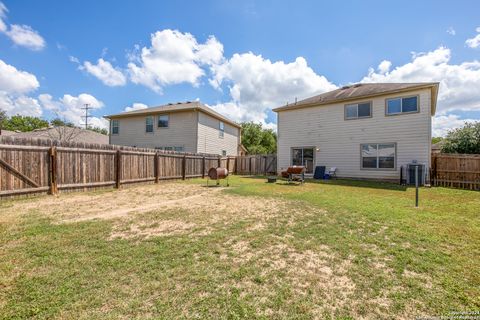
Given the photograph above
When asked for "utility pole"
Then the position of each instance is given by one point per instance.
(86, 108)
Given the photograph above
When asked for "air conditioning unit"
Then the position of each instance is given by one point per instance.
(411, 167)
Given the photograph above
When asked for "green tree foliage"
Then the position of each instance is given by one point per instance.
(98, 130)
(258, 140)
(3, 117)
(57, 122)
(436, 139)
(463, 140)
(24, 123)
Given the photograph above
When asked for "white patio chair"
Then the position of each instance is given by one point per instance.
(332, 172)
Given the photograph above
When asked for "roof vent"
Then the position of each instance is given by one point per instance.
(345, 87)
(188, 102)
(357, 85)
(179, 103)
(170, 103)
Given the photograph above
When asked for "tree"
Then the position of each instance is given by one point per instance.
(463, 140)
(98, 130)
(24, 123)
(3, 117)
(58, 122)
(258, 140)
(436, 139)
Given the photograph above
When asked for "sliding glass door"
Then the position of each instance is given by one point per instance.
(303, 157)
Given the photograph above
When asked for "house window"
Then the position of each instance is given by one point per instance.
(221, 131)
(402, 105)
(224, 152)
(163, 121)
(149, 124)
(115, 126)
(178, 149)
(378, 155)
(358, 110)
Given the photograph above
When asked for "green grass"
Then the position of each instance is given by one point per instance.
(336, 249)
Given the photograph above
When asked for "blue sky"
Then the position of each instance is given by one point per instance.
(240, 57)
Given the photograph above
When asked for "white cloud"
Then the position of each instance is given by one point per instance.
(136, 106)
(74, 59)
(70, 108)
(173, 58)
(443, 123)
(22, 105)
(451, 31)
(14, 85)
(3, 15)
(25, 36)
(105, 72)
(257, 84)
(475, 41)
(384, 66)
(459, 83)
(21, 35)
(14, 81)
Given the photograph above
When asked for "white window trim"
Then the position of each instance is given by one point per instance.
(221, 132)
(379, 169)
(118, 127)
(401, 105)
(153, 124)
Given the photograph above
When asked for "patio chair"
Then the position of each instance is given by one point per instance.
(332, 172)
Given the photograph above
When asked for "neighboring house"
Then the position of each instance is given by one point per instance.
(188, 127)
(4, 132)
(364, 130)
(63, 133)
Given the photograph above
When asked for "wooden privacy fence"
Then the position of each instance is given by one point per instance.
(257, 164)
(35, 166)
(456, 170)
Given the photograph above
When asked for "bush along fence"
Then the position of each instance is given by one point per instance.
(456, 170)
(41, 166)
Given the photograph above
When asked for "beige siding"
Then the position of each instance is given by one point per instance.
(209, 140)
(181, 132)
(338, 140)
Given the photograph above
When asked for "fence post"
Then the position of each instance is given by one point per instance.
(265, 166)
(118, 169)
(156, 169)
(53, 170)
(250, 165)
(203, 167)
(219, 161)
(228, 164)
(184, 162)
(235, 164)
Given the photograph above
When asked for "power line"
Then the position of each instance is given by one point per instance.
(86, 108)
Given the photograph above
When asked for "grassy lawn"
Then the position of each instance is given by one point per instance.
(337, 249)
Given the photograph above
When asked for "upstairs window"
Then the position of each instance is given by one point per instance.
(163, 121)
(115, 127)
(149, 124)
(221, 131)
(224, 152)
(358, 110)
(402, 105)
(378, 155)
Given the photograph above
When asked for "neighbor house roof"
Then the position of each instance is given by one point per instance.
(65, 133)
(363, 90)
(4, 132)
(175, 107)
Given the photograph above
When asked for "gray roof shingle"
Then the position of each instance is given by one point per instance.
(176, 107)
(356, 91)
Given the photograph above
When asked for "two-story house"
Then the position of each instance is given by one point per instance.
(187, 127)
(364, 130)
